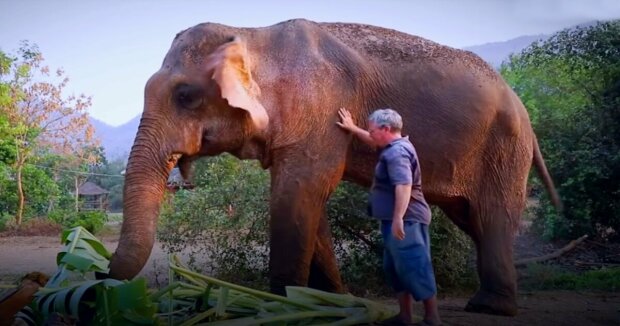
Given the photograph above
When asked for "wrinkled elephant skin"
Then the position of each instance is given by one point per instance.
(272, 94)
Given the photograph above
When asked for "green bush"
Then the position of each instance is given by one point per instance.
(40, 191)
(357, 240)
(570, 85)
(359, 245)
(224, 221)
(545, 277)
(5, 219)
(92, 221)
(453, 254)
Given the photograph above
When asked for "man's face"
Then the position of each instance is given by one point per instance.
(378, 134)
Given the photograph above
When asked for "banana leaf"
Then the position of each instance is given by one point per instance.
(93, 302)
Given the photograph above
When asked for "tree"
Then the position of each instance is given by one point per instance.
(569, 85)
(42, 116)
(108, 176)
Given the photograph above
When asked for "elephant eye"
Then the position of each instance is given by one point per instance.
(188, 96)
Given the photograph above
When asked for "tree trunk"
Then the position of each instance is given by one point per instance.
(20, 196)
(77, 194)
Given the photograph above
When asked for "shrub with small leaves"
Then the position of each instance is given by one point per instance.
(222, 226)
(92, 221)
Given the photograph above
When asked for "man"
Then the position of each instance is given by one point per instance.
(397, 200)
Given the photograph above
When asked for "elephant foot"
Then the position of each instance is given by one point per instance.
(492, 304)
(323, 285)
(278, 288)
(324, 282)
(327, 286)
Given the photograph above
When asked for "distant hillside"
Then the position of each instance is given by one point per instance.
(116, 141)
(497, 52)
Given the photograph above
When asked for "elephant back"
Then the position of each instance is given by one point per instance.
(395, 48)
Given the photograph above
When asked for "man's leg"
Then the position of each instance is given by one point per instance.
(405, 302)
(431, 313)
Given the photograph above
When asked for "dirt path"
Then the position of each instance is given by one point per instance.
(542, 308)
(19, 255)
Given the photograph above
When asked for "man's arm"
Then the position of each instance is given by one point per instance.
(402, 194)
(348, 124)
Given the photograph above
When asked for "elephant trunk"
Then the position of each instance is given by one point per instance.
(147, 171)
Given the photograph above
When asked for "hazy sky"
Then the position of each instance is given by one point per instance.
(110, 48)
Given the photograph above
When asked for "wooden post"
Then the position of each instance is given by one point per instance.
(77, 195)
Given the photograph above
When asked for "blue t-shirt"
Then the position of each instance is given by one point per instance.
(398, 164)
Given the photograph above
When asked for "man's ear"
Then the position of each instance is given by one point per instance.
(230, 66)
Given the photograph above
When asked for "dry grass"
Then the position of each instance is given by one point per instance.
(32, 227)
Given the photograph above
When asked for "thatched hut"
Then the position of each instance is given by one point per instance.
(92, 197)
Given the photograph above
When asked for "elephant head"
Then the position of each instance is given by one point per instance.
(199, 103)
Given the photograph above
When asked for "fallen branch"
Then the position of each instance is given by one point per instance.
(596, 264)
(558, 253)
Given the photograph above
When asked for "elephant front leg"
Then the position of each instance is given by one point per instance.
(300, 238)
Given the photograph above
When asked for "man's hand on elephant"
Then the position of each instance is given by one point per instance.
(398, 229)
(346, 120)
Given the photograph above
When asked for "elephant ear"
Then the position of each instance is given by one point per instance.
(231, 71)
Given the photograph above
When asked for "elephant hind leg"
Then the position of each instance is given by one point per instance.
(492, 232)
(494, 245)
(324, 274)
(457, 209)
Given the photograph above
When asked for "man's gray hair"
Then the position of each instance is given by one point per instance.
(387, 118)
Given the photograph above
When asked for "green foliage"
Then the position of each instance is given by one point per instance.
(42, 119)
(453, 254)
(8, 153)
(570, 85)
(190, 298)
(39, 187)
(5, 219)
(108, 176)
(546, 277)
(92, 302)
(195, 298)
(224, 220)
(359, 248)
(357, 240)
(92, 221)
(6, 62)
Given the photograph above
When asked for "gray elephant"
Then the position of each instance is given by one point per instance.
(272, 94)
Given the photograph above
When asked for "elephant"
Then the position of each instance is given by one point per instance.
(272, 94)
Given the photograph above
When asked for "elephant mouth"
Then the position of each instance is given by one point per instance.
(184, 162)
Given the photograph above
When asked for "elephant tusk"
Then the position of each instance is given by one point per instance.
(174, 158)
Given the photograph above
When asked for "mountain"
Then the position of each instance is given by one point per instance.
(116, 141)
(497, 52)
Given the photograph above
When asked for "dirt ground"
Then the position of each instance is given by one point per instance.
(20, 255)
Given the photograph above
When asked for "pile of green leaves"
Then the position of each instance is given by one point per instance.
(570, 85)
(93, 302)
(189, 299)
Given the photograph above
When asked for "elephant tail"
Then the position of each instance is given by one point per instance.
(543, 173)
